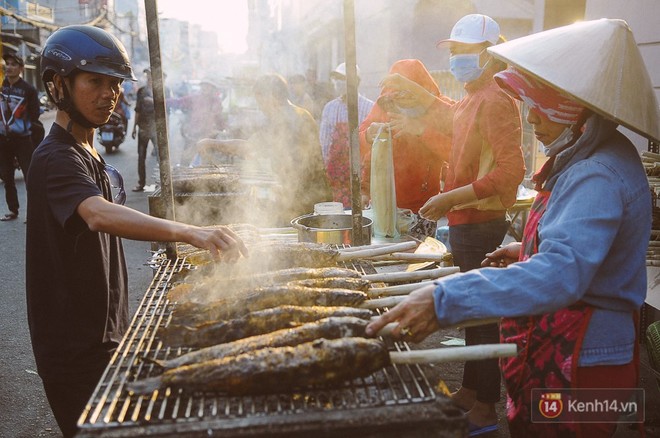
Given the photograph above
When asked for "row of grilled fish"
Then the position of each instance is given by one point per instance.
(275, 369)
(303, 332)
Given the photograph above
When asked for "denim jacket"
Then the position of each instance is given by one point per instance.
(593, 240)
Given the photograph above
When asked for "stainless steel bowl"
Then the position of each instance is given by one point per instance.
(330, 228)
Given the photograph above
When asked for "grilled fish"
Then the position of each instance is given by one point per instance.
(252, 324)
(264, 298)
(283, 255)
(280, 255)
(327, 328)
(205, 289)
(334, 282)
(321, 362)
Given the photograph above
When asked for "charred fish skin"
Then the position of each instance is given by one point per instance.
(328, 328)
(254, 323)
(281, 369)
(264, 298)
(279, 255)
(333, 283)
(203, 291)
(290, 274)
(284, 255)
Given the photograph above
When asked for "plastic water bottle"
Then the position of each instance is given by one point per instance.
(442, 234)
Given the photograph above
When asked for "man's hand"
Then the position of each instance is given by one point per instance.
(415, 317)
(133, 134)
(222, 243)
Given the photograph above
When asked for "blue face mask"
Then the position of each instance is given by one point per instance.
(465, 68)
(558, 144)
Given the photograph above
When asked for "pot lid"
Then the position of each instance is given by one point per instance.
(597, 63)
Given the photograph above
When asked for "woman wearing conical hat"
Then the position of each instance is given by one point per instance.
(569, 293)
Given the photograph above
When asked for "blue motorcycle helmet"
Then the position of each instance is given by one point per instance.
(82, 48)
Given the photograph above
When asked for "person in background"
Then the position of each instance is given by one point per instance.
(19, 104)
(77, 297)
(320, 92)
(569, 292)
(419, 150)
(298, 93)
(335, 136)
(289, 145)
(144, 127)
(203, 112)
(485, 169)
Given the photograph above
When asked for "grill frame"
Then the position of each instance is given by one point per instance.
(397, 401)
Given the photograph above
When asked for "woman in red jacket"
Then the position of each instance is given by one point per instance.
(419, 150)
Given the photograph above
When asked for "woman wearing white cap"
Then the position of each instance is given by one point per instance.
(570, 291)
(485, 168)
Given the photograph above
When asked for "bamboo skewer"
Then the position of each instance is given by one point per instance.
(377, 303)
(400, 277)
(401, 289)
(454, 354)
(361, 254)
(409, 256)
(389, 328)
(372, 246)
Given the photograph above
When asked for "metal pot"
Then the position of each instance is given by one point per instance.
(330, 228)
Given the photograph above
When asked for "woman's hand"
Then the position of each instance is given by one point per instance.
(374, 128)
(397, 82)
(503, 256)
(415, 316)
(365, 201)
(400, 125)
(436, 207)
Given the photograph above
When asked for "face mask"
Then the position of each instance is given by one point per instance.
(465, 68)
(339, 86)
(556, 146)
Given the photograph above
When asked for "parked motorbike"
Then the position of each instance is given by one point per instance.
(113, 133)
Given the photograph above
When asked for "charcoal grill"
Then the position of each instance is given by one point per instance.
(220, 194)
(398, 401)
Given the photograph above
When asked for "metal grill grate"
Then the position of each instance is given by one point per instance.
(112, 411)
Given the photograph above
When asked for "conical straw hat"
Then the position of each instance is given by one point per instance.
(596, 63)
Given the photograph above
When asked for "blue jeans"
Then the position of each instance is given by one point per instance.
(469, 245)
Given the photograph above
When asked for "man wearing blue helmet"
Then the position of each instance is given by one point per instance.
(77, 295)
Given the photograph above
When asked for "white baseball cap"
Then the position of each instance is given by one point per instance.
(341, 70)
(474, 29)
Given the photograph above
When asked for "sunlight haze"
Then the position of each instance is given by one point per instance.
(228, 18)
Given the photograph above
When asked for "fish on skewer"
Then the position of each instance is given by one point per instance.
(320, 362)
(328, 328)
(205, 289)
(282, 255)
(264, 298)
(333, 283)
(278, 255)
(252, 324)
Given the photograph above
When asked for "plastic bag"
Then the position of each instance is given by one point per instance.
(383, 192)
